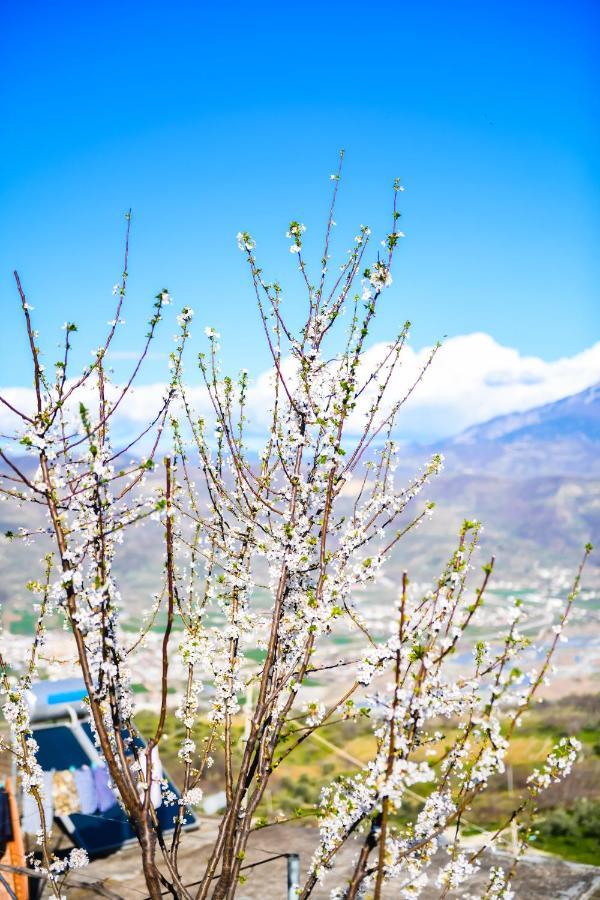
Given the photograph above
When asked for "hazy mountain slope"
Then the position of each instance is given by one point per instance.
(533, 479)
(528, 522)
(561, 438)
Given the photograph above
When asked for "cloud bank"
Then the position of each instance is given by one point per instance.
(472, 379)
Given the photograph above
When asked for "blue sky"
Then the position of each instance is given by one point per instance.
(210, 119)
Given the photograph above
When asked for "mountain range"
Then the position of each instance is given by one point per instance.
(532, 478)
(561, 438)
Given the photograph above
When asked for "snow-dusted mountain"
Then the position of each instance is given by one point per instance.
(577, 416)
(561, 438)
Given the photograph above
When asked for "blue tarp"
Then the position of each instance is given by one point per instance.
(99, 833)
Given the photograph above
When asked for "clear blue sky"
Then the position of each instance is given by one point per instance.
(210, 118)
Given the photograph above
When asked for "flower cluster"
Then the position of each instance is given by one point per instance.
(558, 764)
(295, 234)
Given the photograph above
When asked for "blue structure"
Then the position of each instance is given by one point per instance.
(61, 726)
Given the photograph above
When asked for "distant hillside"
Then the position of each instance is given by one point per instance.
(533, 479)
(576, 416)
(529, 522)
(561, 438)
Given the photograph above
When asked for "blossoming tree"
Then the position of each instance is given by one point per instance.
(231, 520)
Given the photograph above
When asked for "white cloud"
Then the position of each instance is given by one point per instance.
(472, 379)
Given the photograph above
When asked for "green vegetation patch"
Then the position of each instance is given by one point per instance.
(572, 833)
